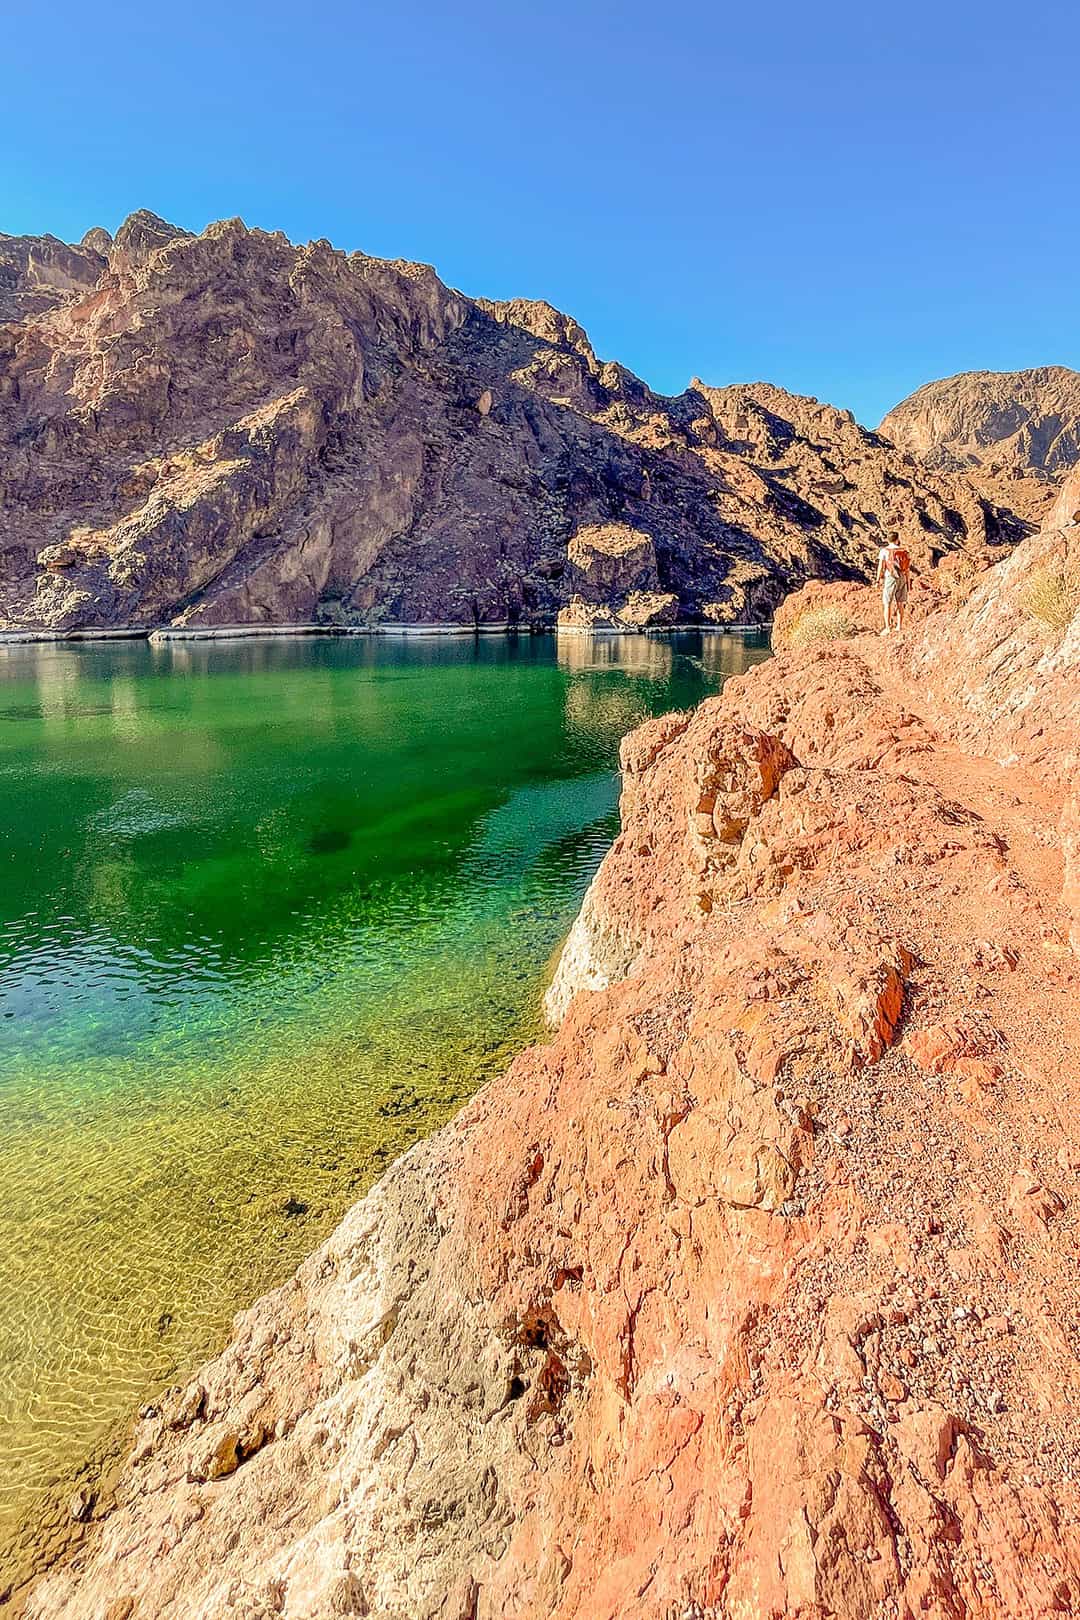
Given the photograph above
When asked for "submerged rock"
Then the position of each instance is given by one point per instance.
(81, 1505)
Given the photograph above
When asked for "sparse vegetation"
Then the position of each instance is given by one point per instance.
(1052, 596)
(826, 623)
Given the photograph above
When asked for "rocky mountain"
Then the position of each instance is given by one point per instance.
(226, 428)
(752, 1292)
(1016, 433)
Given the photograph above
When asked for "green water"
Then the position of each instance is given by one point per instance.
(268, 911)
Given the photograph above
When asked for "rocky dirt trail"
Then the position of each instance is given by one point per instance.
(981, 1086)
(751, 1295)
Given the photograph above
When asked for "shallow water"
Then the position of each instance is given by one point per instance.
(268, 911)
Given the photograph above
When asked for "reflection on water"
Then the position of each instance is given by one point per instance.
(644, 655)
(604, 708)
(268, 911)
(722, 654)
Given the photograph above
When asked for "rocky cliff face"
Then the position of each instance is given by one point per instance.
(753, 1293)
(39, 272)
(1016, 433)
(1066, 508)
(226, 428)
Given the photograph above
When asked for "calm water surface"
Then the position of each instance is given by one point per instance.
(268, 911)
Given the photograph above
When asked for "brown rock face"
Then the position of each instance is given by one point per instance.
(1066, 508)
(610, 560)
(751, 1294)
(226, 428)
(731, 779)
(1016, 432)
(38, 272)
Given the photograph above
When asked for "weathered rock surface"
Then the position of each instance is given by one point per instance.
(1009, 682)
(1066, 507)
(226, 428)
(39, 272)
(753, 1293)
(1017, 433)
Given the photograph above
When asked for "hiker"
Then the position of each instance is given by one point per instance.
(894, 575)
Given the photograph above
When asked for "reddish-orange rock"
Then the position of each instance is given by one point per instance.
(725, 1301)
(955, 1048)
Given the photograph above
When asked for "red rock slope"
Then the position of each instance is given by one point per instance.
(753, 1294)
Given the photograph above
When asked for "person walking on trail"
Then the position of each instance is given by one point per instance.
(894, 576)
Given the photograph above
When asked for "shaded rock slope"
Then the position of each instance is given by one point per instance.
(752, 1294)
(1015, 433)
(225, 428)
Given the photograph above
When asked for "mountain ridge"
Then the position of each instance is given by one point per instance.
(1015, 433)
(227, 428)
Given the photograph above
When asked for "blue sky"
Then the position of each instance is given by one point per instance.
(844, 199)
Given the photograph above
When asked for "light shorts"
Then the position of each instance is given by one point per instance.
(895, 591)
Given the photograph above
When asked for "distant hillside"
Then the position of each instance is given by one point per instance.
(1016, 432)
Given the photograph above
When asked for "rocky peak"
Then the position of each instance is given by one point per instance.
(37, 272)
(791, 453)
(741, 405)
(97, 239)
(1016, 432)
(543, 321)
(139, 236)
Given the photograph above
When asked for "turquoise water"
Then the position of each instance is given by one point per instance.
(268, 911)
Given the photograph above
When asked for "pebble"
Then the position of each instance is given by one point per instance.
(81, 1506)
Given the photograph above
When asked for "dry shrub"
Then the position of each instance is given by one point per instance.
(1052, 596)
(826, 623)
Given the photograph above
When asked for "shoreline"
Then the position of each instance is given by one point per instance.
(161, 634)
(91, 1475)
(839, 1033)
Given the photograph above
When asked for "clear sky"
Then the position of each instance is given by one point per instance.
(846, 199)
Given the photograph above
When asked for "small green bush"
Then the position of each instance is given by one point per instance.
(827, 623)
(1052, 596)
